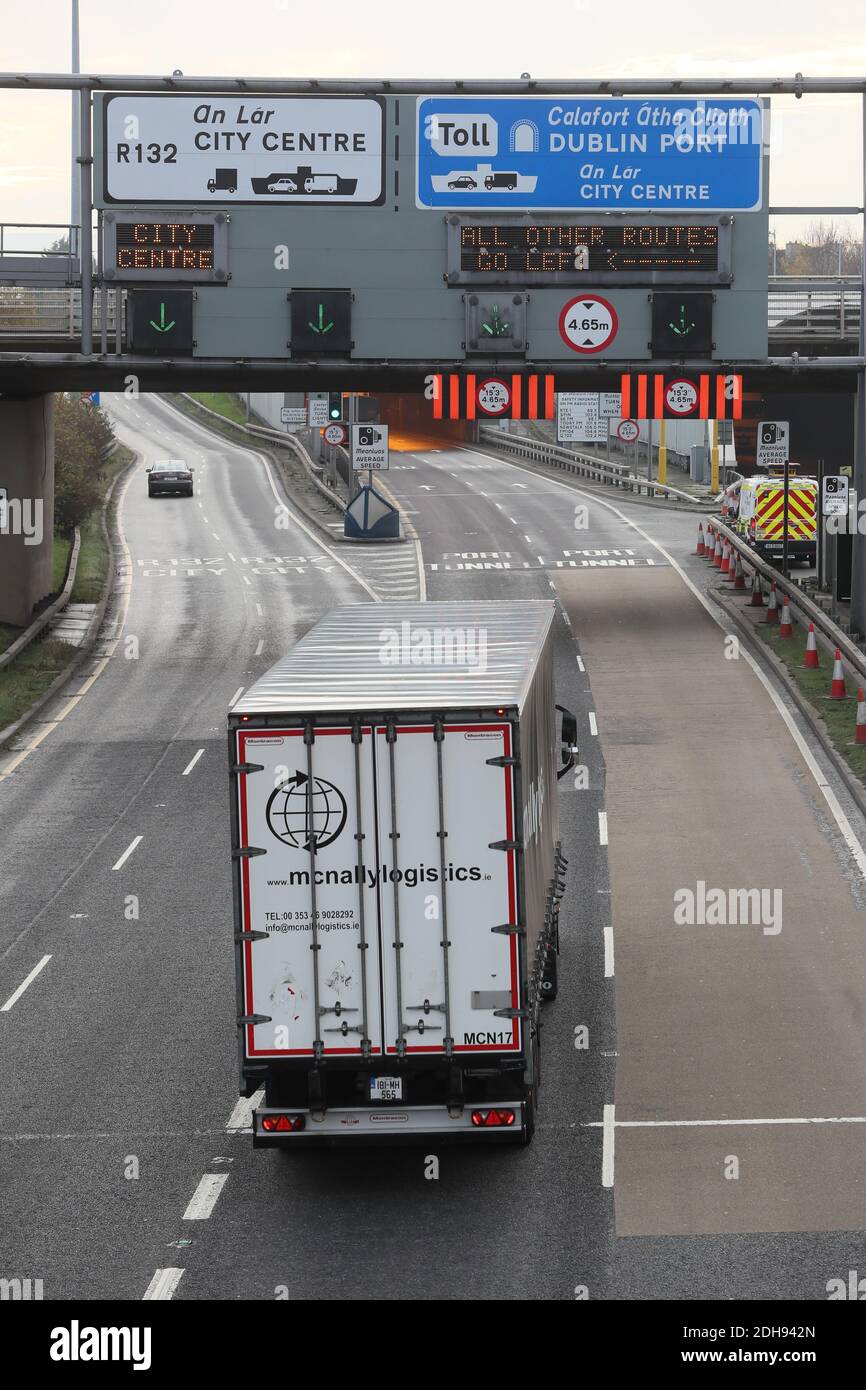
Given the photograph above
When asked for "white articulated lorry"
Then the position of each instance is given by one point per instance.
(397, 873)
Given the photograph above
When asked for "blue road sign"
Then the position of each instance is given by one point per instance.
(624, 154)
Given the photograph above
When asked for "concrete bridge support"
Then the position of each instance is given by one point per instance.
(26, 504)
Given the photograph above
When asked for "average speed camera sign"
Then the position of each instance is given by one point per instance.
(588, 323)
(335, 434)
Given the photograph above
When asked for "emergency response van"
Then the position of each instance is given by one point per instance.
(761, 516)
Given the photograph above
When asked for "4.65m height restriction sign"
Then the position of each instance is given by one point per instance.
(588, 323)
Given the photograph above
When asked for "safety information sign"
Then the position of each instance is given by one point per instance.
(628, 154)
(220, 148)
(578, 419)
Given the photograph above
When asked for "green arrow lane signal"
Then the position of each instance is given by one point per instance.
(162, 326)
(321, 326)
(497, 327)
(682, 328)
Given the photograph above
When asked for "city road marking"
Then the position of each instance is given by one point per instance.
(188, 769)
(13, 998)
(204, 1199)
(127, 852)
(580, 665)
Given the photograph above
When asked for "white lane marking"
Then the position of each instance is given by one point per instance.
(593, 725)
(260, 647)
(580, 665)
(188, 769)
(513, 522)
(608, 953)
(528, 540)
(215, 536)
(602, 827)
(845, 828)
(246, 579)
(607, 1145)
(237, 695)
(13, 998)
(260, 610)
(162, 1285)
(204, 1199)
(732, 1124)
(241, 1118)
(127, 852)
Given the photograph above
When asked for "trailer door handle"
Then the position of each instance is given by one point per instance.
(569, 740)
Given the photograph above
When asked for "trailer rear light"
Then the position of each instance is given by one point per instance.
(492, 1119)
(282, 1124)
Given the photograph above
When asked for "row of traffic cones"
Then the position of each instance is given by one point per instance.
(715, 548)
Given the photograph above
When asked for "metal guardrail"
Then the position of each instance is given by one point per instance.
(824, 624)
(28, 312)
(585, 465)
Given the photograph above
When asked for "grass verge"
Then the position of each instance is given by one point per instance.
(93, 557)
(223, 402)
(29, 676)
(837, 716)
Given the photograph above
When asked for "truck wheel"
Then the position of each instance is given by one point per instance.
(549, 980)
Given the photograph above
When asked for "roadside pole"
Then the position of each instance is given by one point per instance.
(787, 479)
(714, 459)
(858, 558)
(819, 519)
(663, 451)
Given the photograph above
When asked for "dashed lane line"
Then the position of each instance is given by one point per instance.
(190, 765)
(240, 1121)
(13, 998)
(130, 849)
(607, 1146)
(162, 1285)
(602, 827)
(205, 1197)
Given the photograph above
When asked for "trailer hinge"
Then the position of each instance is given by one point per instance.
(511, 1013)
(509, 929)
(237, 768)
(247, 852)
(244, 1019)
(503, 761)
(251, 936)
(506, 844)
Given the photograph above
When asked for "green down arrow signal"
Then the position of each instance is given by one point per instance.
(321, 327)
(682, 329)
(162, 326)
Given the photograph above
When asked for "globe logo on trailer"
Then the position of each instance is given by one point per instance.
(304, 821)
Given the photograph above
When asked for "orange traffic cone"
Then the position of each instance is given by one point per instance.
(717, 553)
(725, 566)
(785, 627)
(701, 548)
(837, 687)
(739, 574)
(757, 599)
(860, 726)
(773, 606)
(811, 657)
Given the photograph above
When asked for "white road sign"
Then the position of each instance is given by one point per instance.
(493, 396)
(221, 148)
(293, 414)
(317, 410)
(610, 405)
(774, 439)
(681, 396)
(627, 431)
(370, 447)
(335, 433)
(834, 498)
(578, 419)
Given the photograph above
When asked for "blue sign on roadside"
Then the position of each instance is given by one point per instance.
(624, 154)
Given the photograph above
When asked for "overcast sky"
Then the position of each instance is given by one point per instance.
(817, 160)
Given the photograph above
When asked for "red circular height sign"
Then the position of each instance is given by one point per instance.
(588, 323)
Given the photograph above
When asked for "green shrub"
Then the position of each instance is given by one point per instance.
(82, 433)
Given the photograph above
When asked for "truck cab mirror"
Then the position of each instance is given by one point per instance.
(569, 740)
